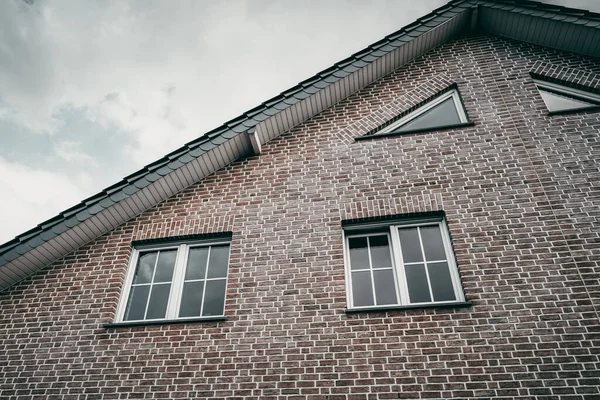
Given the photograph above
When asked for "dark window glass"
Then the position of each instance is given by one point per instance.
(380, 251)
(214, 298)
(136, 304)
(432, 243)
(557, 102)
(145, 268)
(359, 256)
(385, 289)
(441, 115)
(159, 298)
(196, 263)
(165, 266)
(441, 281)
(411, 247)
(191, 299)
(362, 289)
(219, 258)
(418, 289)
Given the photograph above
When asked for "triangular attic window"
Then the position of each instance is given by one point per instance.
(441, 112)
(562, 98)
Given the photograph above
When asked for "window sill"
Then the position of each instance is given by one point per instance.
(583, 110)
(439, 128)
(462, 304)
(131, 324)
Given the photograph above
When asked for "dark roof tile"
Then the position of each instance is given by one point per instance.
(106, 202)
(162, 171)
(271, 111)
(95, 209)
(129, 190)
(237, 129)
(206, 147)
(321, 84)
(59, 228)
(282, 105)
(184, 159)
(119, 196)
(331, 79)
(83, 215)
(47, 235)
(222, 139)
(289, 101)
(11, 255)
(142, 183)
(71, 222)
(301, 95)
(369, 58)
(196, 152)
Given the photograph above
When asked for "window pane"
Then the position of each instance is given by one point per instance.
(411, 247)
(136, 305)
(217, 265)
(385, 290)
(359, 258)
(380, 252)
(418, 289)
(196, 263)
(214, 299)
(362, 290)
(441, 281)
(165, 265)
(145, 268)
(157, 308)
(443, 114)
(556, 102)
(191, 299)
(432, 243)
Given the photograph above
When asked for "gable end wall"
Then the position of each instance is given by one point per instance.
(521, 195)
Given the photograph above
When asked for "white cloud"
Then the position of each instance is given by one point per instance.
(31, 196)
(163, 73)
(71, 152)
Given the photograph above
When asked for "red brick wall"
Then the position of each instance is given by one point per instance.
(521, 194)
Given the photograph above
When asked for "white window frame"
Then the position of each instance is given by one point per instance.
(400, 283)
(569, 92)
(428, 106)
(174, 302)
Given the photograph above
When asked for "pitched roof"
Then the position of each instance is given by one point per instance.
(537, 23)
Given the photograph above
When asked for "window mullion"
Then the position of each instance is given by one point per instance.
(401, 285)
(151, 284)
(371, 270)
(177, 281)
(425, 264)
(205, 276)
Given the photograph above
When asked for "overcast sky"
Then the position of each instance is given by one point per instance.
(91, 91)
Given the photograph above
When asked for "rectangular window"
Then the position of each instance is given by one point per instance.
(176, 281)
(407, 262)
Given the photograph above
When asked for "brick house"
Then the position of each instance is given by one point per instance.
(418, 221)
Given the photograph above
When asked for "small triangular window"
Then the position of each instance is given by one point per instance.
(441, 112)
(561, 98)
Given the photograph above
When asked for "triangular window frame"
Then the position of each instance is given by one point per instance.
(432, 103)
(592, 99)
